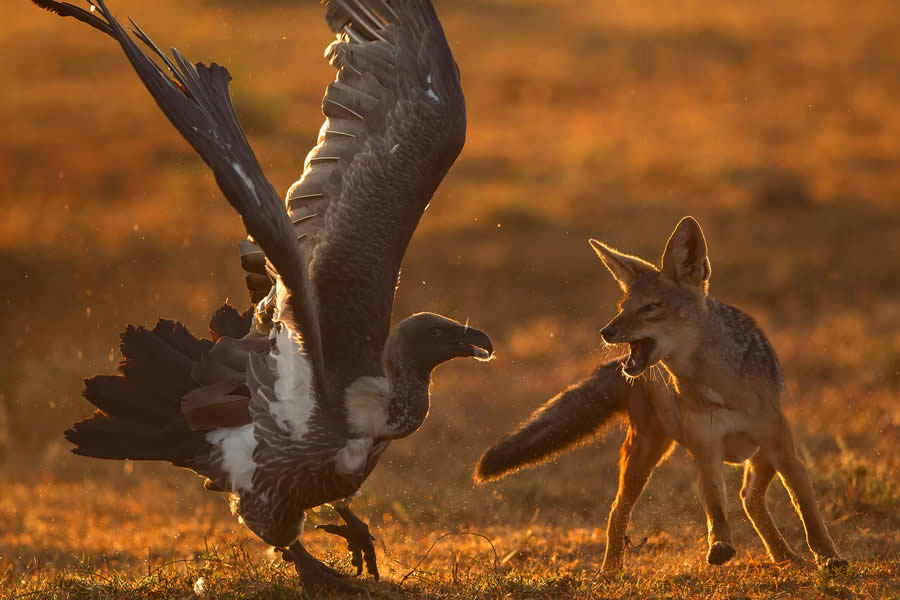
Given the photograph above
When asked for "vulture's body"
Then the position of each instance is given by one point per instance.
(291, 405)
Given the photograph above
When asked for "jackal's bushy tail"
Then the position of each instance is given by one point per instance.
(572, 417)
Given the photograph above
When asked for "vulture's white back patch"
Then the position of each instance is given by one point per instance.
(294, 393)
(237, 445)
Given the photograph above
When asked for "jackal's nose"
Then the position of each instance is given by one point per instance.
(608, 334)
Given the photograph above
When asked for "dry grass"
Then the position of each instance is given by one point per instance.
(776, 124)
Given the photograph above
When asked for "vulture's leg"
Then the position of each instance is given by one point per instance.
(359, 540)
(314, 573)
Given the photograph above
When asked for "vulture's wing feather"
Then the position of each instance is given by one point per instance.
(64, 9)
(198, 104)
(395, 123)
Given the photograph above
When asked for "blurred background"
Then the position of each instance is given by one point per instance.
(776, 124)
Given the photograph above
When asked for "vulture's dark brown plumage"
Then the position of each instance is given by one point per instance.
(291, 406)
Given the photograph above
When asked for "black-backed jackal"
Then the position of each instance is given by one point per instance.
(722, 403)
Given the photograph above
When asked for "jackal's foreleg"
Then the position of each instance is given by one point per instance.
(712, 494)
(640, 454)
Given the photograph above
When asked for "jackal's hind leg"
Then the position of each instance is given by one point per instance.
(640, 454)
(758, 474)
(796, 479)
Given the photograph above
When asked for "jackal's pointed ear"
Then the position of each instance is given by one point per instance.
(624, 267)
(685, 259)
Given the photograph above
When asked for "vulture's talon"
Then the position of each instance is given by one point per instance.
(356, 559)
(316, 579)
(314, 574)
(359, 542)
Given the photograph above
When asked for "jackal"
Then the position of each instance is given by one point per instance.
(721, 401)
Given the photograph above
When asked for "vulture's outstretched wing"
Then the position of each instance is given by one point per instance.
(198, 104)
(396, 121)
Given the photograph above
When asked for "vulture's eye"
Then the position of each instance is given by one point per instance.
(437, 332)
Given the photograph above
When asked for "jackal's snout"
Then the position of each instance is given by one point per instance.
(608, 333)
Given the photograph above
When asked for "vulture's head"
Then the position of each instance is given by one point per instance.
(425, 340)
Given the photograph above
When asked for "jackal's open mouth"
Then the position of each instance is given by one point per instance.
(639, 356)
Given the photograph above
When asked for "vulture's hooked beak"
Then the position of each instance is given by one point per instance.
(478, 342)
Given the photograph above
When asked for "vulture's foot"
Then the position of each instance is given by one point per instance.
(314, 574)
(359, 540)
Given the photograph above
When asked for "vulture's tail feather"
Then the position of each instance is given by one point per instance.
(228, 322)
(570, 418)
(139, 411)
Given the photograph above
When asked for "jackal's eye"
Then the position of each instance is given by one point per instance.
(436, 332)
(648, 308)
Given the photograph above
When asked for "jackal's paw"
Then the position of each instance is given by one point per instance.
(832, 563)
(787, 560)
(611, 568)
(719, 553)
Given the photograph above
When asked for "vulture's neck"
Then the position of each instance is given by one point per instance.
(408, 400)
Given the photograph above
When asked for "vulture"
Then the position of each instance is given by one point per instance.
(290, 405)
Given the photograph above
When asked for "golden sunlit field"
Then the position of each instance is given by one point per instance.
(776, 124)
